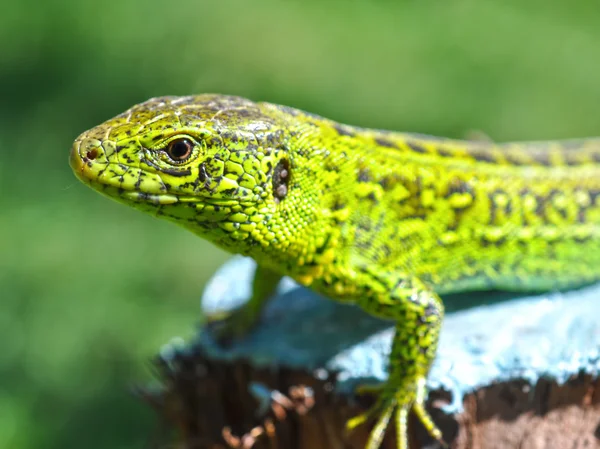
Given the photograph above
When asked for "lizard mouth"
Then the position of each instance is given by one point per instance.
(90, 162)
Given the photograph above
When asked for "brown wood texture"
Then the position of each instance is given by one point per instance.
(209, 406)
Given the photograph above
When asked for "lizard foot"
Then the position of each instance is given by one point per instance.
(398, 403)
(233, 325)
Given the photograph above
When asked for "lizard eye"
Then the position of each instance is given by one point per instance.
(180, 150)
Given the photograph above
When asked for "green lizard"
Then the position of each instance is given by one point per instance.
(381, 219)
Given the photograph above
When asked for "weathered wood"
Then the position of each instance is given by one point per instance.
(210, 406)
(489, 345)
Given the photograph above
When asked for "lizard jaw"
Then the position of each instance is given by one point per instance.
(89, 161)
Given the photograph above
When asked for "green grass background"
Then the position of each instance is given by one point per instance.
(90, 290)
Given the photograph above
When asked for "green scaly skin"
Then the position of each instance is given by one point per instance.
(381, 219)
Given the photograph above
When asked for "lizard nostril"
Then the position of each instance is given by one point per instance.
(88, 150)
(92, 154)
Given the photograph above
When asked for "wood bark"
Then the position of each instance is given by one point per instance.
(208, 404)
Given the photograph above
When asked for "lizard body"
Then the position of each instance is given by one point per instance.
(382, 219)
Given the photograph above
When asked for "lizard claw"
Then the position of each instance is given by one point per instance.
(398, 403)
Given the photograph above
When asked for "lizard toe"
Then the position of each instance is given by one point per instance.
(397, 403)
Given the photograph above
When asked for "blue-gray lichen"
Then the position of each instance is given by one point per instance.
(486, 337)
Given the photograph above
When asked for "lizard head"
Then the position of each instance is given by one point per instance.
(218, 165)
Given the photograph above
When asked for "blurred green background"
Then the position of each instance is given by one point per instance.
(89, 289)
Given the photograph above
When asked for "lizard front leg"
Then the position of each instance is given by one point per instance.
(418, 313)
(239, 322)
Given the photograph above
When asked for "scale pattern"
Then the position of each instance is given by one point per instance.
(383, 219)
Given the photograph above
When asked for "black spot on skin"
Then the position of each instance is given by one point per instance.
(363, 245)
(399, 283)
(331, 167)
(524, 192)
(416, 147)
(390, 181)
(177, 173)
(487, 243)
(364, 175)
(445, 152)
(281, 183)
(272, 139)
(385, 143)
(431, 310)
(169, 171)
(230, 192)
(202, 176)
(594, 194)
(343, 131)
(269, 167)
(459, 186)
(484, 156)
(498, 268)
(571, 160)
(541, 157)
(385, 249)
(582, 239)
(321, 249)
(139, 181)
(494, 207)
(541, 205)
(384, 182)
(365, 224)
(560, 210)
(338, 205)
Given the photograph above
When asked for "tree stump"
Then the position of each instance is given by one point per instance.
(211, 406)
(512, 372)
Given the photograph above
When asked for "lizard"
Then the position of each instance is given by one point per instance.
(385, 220)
